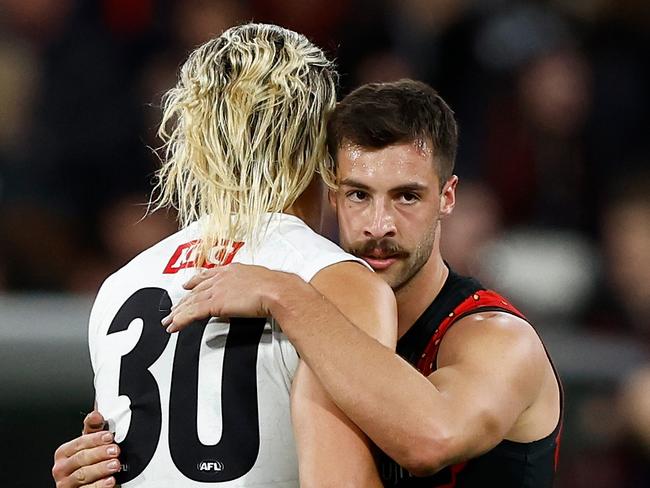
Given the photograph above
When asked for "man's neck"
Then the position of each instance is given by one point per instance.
(414, 298)
(308, 206)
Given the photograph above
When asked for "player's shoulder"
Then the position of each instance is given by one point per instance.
(478, 315)
(493, 332)
(296, 236)
(290, 245)
(349, 280)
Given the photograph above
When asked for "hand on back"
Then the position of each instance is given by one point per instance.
(234, 290)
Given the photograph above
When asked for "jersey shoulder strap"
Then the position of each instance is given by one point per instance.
(477, 302)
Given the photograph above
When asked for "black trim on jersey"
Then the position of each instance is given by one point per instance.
(456, 288)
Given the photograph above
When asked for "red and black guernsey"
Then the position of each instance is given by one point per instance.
(509, 464)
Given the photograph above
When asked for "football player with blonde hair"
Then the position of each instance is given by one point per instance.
(244, 140)
(244, 129)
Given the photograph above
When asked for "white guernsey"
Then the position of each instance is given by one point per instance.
(211, 404)
(227, 403)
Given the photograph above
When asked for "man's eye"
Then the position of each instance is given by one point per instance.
(357, 195)
(409, 197)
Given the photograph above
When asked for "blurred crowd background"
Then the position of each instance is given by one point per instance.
(553, 209)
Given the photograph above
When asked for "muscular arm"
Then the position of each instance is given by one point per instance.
(332, 450)
(491, 367)
(490, 370)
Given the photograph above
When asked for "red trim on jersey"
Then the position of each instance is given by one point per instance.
(558, 440)
(479, 299)
(185, 256)
(455, 469)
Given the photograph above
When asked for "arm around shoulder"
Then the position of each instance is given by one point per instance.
(341, 300)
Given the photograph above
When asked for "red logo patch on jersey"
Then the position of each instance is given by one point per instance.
(185, 256)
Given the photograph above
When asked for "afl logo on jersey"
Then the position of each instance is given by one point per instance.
(210, 465)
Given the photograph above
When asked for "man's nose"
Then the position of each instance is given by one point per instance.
(381, 222)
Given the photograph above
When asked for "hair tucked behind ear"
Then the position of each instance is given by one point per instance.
(244, 130)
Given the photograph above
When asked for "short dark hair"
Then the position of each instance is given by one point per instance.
(377, 115)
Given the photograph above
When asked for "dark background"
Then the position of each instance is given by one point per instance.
(554, 203)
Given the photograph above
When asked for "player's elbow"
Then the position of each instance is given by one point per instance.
(430, 454)
(453, 445)
(444, 446)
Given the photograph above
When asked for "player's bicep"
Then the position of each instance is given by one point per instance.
(364, 298)
(489, 371)
(332, 451)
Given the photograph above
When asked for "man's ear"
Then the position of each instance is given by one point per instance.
(448, 196)
(331, 197)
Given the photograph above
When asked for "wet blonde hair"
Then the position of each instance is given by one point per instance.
(244, 130)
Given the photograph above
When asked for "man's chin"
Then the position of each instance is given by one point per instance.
(390, 274)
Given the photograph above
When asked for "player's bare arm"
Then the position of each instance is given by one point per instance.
(493, 371)
(332, 450)
(219, 292)
(372, 305)
(494, 382)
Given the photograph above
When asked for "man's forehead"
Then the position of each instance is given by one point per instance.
(369, 177)
(423, 146)
(397, 164)
(352, 150)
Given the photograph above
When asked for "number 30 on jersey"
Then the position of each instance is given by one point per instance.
(236, 452)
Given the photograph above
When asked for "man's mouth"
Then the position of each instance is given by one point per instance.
(378, 262)
(380, 254)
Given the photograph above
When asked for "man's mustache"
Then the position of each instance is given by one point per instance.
(378, 247)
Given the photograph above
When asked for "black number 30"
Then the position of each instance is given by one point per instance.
(237, 450)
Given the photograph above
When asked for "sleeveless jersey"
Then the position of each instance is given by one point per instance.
(208, 406)
(509, 464)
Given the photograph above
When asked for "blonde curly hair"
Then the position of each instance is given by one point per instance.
(244, 130)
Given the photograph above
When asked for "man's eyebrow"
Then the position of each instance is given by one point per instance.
(354, 183)
(410, 187)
